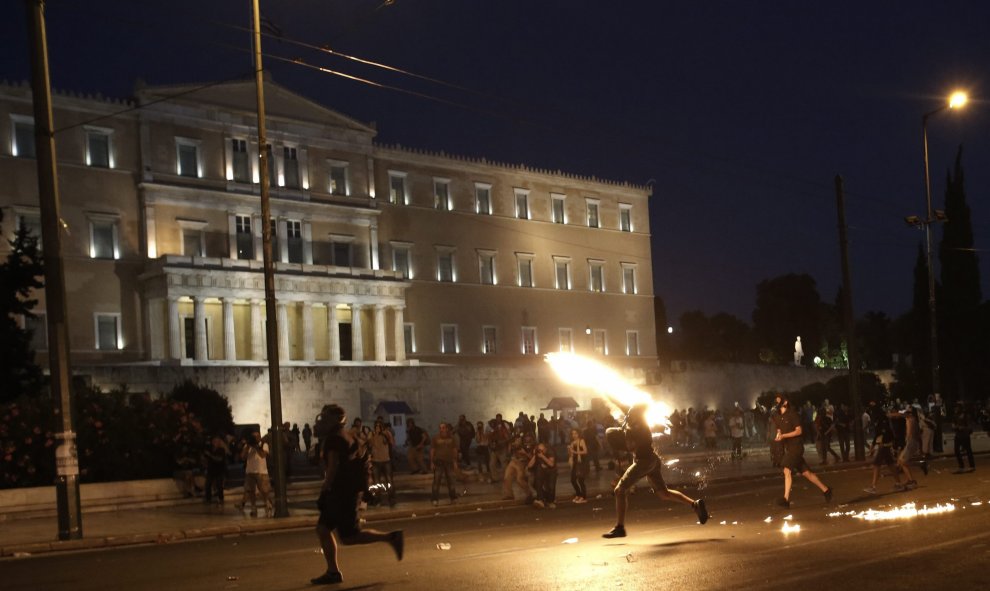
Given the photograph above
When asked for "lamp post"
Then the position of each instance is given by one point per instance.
(956, 101)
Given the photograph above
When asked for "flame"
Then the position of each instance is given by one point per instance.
(789, 528)
(584, 372)
(906, 511)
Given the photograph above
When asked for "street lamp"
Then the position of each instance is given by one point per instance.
(957, 100)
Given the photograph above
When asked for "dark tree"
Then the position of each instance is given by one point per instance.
(873, 333)
(786, 307)
(20, 276)
(209, 406)
(960, 296)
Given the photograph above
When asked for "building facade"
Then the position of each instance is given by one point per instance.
(384, 255)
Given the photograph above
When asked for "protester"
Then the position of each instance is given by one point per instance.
(254, 453)
(788, 427)
(382, 443)
(416, 439)
(962, 423)
(443, 457)
(544, 465)
(577, 458)
(216, 469)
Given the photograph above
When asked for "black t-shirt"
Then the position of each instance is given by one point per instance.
(415, 435)
(351, 473)
(787, 422)
(639, 439)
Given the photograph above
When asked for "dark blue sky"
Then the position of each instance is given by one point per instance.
(741, 113)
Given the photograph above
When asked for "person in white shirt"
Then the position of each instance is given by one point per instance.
(255, 455)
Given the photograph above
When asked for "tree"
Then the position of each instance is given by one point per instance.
(787, 307)
(960, 296)
(873, 334)
(20, 276)
(209, 406)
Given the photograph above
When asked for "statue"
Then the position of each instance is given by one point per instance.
(798, 351)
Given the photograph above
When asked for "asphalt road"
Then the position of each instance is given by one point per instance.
(526, 548)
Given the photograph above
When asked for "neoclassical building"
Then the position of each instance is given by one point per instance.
(384, 255)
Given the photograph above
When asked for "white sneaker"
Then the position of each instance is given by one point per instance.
(871, 490)
(538, 504)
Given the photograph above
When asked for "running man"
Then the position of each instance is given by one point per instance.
(788, 424)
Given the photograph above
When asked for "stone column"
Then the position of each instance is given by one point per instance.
(174, 334)
(156, 332)
(283, 241)
(373, 251)
(400, 333)
(380, 333)
(283, 332)
(229, 341)
(199, 327)
(333, 332)
(257, 341)
(309, 350)
(357, 342)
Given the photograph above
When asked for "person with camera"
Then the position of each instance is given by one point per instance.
(637, 437)
(789, 432)
(254, 453)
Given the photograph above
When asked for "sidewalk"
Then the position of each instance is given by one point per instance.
(191, 519)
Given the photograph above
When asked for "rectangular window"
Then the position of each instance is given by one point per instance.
(338, 178)
(98, 148)
(557, 208)
(294, 240)
(103, 239)
(441, 194)
(342, 253)
(596, 270)
(445, 266)
(397, 188)
(566, 338)
(409, 336)
(241, 163)
(108, 332)
(245, 238)
(525, 270)
(599, 341)
(290, 166)
(37, 327)
(562, 273)
(632, 342)
(486, 261)
(23, 137)
(401, 261)
(192, 242)
(625, 217)
(522, 204)
(483, 198)
(187, 157)
(529, 345)
(628, 279)
(593, 221)
(489, 340)
(30, 222)
(448, 338)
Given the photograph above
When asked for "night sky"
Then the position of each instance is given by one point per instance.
(738, 113)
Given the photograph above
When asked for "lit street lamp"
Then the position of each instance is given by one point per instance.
(956, 101)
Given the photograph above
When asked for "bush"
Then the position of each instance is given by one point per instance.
(209, 406)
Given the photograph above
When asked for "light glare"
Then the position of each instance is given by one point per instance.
(958, 100)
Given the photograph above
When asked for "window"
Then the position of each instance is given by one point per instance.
(22, 141)
(397, 188)
(276, 250)
(409, 336)
(445, 265)
(525, 269)
(245, 238)
(341, 251)
(562, 273)
(103, 237)
(599, 342)
(628, 278)
(632, 342)
(338, 178)
(557, 208)
(441, 194)
(625, 217)
(566, 338)
(240, 161)
(272, 179)
(593, 221)
(108, 332)
(522, 204)
(37, 326)
(529, 341)
(294, 240)
(486, 262)
(290, 167)
(489, 340)
(483, 198)
(187, 157)
(193, 237)
(401, 262)
(98, 148)
(30, 222)
(448, 338)
(596, 270)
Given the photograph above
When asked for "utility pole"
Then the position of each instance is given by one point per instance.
(66, 458)
(271, 332)
(849, 324)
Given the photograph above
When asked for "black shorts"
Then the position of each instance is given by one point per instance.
(795, 462)
(884, 457)
(649, 467)
(338, 514)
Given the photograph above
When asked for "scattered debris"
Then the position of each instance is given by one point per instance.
(443, 546)
(21, 554)
(788, 517)
(570, 541)
(789, 528)
(630, 557)
(232, 578)
(768, 520)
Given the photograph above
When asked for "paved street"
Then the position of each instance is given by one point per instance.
(526, 548)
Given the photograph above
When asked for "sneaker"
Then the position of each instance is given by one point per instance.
(700, 511)
(579, 500)
(538, 504)
(616, 532)
(436, 503)
(911, 484)
(397, 540)
(959, 471)
(828, 494)
(551, 505)
(870, 490)
(327, 579)
(971, 469)
(784, 503)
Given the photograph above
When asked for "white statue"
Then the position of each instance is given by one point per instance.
(798, 351)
